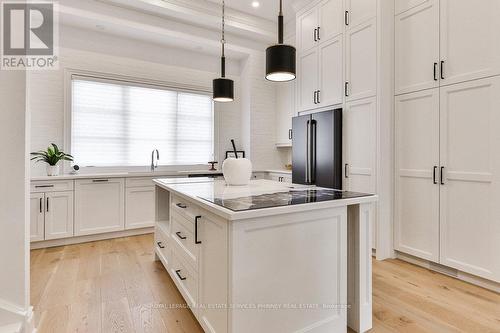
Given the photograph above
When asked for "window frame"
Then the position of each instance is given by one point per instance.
(70, 74)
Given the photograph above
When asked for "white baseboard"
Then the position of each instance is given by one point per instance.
(91, 238)
(472, 279)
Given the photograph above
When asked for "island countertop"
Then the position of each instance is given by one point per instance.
(260, 198)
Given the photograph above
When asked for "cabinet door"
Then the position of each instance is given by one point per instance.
(306, 26)
(37, 208)
(99, 206)
(360, 11)
(307, 80)
(361, 60)
(58, 215)
(470, 196)
(470, 45)
(360, 146)
(417, 48)
(417, 161)
(140, 207)
(330, 20)
(213, 273)
(331, 72)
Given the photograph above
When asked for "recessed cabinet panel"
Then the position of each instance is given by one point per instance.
(417, 48)
(331, 74)
(417, 174)
(470, 196)
(361, 10)
(404, 5)
(361, 61)
(37, 209)
(99, 206)
(140, 207)
(330, 19)
(58, 215)
(307, 25)
(308, 80)
(470, 45)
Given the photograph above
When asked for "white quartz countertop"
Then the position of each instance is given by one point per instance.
(197, 191)
(126, 175)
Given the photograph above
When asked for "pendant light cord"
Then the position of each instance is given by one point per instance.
(223, 40)
(280, 24)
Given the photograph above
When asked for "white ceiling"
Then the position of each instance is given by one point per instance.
(268, 9)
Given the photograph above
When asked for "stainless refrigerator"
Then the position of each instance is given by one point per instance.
(317, 149)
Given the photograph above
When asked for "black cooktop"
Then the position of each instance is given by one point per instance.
(279, 199)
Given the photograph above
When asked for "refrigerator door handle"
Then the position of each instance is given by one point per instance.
(308, 151)
(313, 151)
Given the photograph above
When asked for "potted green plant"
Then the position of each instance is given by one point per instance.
(51, 156)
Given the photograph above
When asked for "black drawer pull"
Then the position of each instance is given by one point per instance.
(160, 245)
(178, 233)
(100, 180)
(44, 186)
(178, 272)
(181, 205)
(197, 218)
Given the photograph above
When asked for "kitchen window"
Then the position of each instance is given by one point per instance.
(117, 123)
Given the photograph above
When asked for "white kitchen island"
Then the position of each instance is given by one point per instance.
(267, 257)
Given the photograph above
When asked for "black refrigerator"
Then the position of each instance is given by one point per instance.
(317, 149)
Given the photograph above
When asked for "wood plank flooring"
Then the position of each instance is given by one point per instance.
(116, 286)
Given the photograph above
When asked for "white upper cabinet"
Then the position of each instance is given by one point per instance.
(470, 196)
(37, 223)
(358, 11)
(404, 5)
(330, 20)
(417, 174)
(417, 48)
(58, 215)
(99, 206)
(361, 61)
(331, 72)
(308, 80)
(470, 45)
(307, 25)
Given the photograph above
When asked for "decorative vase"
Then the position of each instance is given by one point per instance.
(237, 171)
(52, 170)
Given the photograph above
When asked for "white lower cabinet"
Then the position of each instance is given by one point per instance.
(139, 207)
(58, 215)
(448, 176)
(99, 206)
(37, 217)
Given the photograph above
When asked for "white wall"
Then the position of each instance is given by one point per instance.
(99, 52)
(14, 170)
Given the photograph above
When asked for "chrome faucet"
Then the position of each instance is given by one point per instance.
(153, 165)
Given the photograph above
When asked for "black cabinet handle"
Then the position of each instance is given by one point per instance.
(100, 180)
(160, 245)
(196, 219)
(346, 89)
(47, 205)
(442, 176)
(315, 35)
(319, 96)
(290, 134)
(181, 205)
(178, 233)
(435, 71)
(44, 186)
(434, 180)
(315, 97)
(319, 33)
(346, 17)
(442, 69)
(41, 204)
(178, 272)
(346, 170)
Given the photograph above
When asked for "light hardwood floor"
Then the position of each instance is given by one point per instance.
(115, 286)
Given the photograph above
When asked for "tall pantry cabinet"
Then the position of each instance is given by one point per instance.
(448, 132)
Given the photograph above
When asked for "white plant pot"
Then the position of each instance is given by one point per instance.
(52, 170)
(237, 171)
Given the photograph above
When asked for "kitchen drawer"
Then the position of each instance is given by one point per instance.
(186, 280)
(52, 186)
(139, 182)
(162, 244)
(184, 208)
(183, 238)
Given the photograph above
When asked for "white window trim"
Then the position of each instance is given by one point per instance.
(136, 81)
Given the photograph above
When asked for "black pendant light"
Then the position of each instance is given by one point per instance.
(223, 89)
(280, 58)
